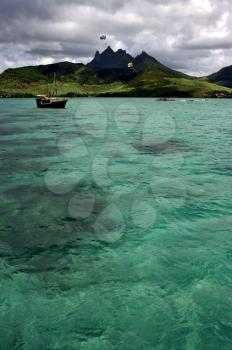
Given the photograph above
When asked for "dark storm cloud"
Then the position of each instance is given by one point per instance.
(189, 35)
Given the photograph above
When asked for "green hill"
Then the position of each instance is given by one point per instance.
(222, 77)
(107, 75)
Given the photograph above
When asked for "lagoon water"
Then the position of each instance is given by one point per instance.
(116, 226)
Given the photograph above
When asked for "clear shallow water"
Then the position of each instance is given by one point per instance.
(116, 225)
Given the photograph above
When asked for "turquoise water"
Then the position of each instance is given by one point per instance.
(116, 225)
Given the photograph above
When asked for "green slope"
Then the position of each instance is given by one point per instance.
(222, 77)
(149, 78)
(155, 79)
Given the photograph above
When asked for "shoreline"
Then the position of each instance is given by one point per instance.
(137, 97)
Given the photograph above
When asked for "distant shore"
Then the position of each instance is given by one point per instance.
(213, 96)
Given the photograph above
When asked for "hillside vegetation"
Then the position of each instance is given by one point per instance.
(108, 75)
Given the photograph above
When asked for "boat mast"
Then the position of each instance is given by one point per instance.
(47, 88)
(54, 84)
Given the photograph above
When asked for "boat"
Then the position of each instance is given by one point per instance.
(166, 99)
(44, 101)
(49, 101)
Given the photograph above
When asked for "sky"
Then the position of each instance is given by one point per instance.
(193, 36)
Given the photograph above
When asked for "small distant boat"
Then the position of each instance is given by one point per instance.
(166, 99)
(44, 101)
(47, 101)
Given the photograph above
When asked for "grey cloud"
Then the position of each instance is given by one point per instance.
(208, 44)
(189, 35)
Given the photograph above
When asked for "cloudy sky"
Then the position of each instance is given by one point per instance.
(194, 36)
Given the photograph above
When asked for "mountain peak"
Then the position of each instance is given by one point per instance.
(144, 60)
(121, 51)
(109, 59)
(109, 49)
(144, 54)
